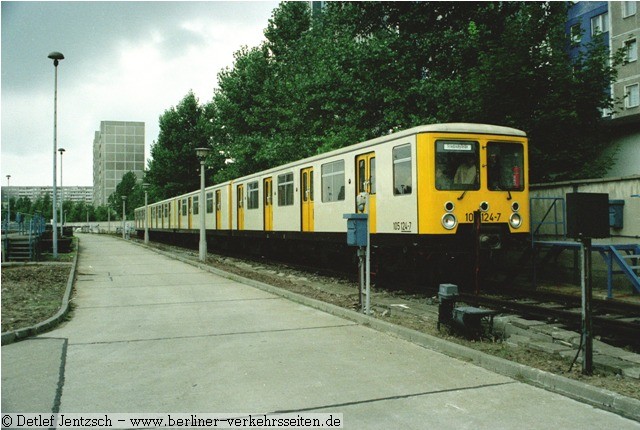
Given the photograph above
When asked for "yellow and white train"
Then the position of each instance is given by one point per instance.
(426, 185)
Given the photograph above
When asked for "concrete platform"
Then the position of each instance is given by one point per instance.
(152, 334)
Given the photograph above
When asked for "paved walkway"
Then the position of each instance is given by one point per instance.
(152, 334)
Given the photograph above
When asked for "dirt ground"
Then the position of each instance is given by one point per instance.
(31, 294)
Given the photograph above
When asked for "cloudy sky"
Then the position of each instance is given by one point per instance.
(124, 61)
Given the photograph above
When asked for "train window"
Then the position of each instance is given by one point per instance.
(457, 165)
(505, 166)
(209, 203)
(253, 199)
(305, 186)
(402, 170)
(196, 205)
(333, 181)
(184, 207)
(372, 174)
(285, 189)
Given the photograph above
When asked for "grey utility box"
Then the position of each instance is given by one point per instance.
(356, 229)
(448, 291)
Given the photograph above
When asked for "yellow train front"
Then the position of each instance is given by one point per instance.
(435, 192)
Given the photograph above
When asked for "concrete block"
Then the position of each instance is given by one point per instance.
(517, 340)
(548, 347)
(610, 364)
(547, 329)
(526, 324)
(566, 337)
(631, 372)
(569, 355)
(603, 348)
(634, 358)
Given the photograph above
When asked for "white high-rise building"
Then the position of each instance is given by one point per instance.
(118, 148)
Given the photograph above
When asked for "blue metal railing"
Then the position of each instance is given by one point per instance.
(558, 223)
(32, 226)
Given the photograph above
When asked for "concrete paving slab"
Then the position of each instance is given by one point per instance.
(211, 345)
(32, 372)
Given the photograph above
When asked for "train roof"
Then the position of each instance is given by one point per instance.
(454, 127)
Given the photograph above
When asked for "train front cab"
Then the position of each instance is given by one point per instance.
(466, 174)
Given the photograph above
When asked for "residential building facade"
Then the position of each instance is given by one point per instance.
(619, 24)
(625, 120)
(71, 193)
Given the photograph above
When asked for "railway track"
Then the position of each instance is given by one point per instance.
(616, 322)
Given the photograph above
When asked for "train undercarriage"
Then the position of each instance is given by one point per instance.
(407, 262)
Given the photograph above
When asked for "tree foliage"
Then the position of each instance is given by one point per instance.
(174, 168)
(360, 70)
(73, 211)
(133, 194)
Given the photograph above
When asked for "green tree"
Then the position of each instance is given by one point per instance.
(174, 168)
(43, 206)
(133, 193)
(363, 69)
(23, 205)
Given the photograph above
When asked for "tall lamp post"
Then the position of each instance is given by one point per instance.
(202, 155)
(56, 57)
(124, 199)
(61, 151)
(8, 204)
(145, 187)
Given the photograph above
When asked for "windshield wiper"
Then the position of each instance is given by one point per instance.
(462, 195)
(509, 195)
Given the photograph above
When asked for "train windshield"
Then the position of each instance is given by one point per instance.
(505, 166)
(457, 164)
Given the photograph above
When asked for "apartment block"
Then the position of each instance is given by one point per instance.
(70, 193)
(118, 148)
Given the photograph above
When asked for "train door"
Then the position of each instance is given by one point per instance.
(240, 206)
(307, 199)
(182, 210)
(218, 209)
(366, 182)
(169, 214)
(268, 204)
(189, 212)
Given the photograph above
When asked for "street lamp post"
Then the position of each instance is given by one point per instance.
(56, 57)
(124, 199)
(145, 187)
(8, 204)
(202, 155)
(61, 151)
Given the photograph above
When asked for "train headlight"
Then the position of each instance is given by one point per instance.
(515, 220)
(484, 206)
(449, 206)
(515, 206)
(449, 221)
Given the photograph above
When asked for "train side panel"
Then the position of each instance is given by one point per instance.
(396, 183)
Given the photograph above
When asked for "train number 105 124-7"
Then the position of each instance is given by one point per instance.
(484, 216)
(404, 227)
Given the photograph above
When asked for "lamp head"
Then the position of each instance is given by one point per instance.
(61, 150)
(56, 57)
(202, 153)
